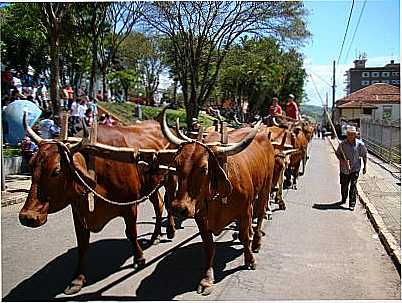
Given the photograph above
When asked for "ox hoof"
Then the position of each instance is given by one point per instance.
(256, 248)
(235, 236)
(251, 266)
(156, 240)
(139, 263)
(75, 285)
(170, 232)
(268, 216)
(282, 206)
(205, 288)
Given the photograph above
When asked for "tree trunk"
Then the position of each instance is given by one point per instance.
(92, 80)
(191, 111)
(104, 88)
(54, 68)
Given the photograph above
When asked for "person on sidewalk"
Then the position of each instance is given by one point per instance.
(353, 150)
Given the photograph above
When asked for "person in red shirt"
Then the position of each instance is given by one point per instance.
(275, 109)
(292, 110)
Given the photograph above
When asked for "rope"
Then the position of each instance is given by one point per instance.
(89, 189)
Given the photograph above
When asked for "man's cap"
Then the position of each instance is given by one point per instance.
(351, 129)
(292, 96)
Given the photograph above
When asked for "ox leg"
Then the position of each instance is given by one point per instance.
(82, 235)
(245, 235)
(279, 193)
(260, 211)
(206, 283)
(169, 196)
(131, 232)
(157, 203)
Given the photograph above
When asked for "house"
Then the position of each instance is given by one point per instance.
(379, 101)
(361, 76)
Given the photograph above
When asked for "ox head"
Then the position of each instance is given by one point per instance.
(52, 184)
(200, 176)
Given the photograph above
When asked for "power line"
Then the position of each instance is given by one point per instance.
(354, 34)
(322, 79)
(346, 32)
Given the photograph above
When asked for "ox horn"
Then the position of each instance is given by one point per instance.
(238, 147)
(35, 137)
(180, 133)
(167, 132)
(274, 121)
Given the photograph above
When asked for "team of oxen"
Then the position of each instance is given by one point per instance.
(109, 171)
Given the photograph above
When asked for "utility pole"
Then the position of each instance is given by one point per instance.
(333, 93)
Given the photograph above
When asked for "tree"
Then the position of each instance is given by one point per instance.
(255, 70)
(52, 17)
(121, 18)
(201, 34)
(23, 41)
(92, 20)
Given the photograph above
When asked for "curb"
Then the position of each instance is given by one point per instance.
(387, 239)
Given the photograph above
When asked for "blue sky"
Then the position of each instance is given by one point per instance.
(378, 36)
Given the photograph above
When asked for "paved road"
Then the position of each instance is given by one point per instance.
(313, 250)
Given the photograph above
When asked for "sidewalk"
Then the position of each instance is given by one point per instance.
(17, 188)
(380, 194)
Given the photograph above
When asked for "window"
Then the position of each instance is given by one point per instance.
(367, 111)
(385, 74)
(365, 82)
(375, 74)
(385, 81)
(395, 81)
(386, 112)
(375, 81)
(395, 73)
(365, 74)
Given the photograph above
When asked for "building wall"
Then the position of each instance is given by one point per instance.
(395, 112)
(352, 114)
(360, 78)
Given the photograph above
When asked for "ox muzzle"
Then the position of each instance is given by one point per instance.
(34, 218)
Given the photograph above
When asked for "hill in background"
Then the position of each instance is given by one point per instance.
(312, 111)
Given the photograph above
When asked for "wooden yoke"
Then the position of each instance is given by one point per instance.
(224, 159)
(91, 161)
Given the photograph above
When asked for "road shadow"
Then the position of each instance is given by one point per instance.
(331, 206)
(105, 257)
(181, 271)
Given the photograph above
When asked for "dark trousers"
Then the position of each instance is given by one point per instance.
(347, 179)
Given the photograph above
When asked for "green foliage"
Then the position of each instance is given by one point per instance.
(256, 70)
(9, 152)
(125, 112)
(24, 41)
(313, 111)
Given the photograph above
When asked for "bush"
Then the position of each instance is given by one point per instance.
(9, 152)
(124, 111)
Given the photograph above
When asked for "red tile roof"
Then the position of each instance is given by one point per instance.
(356, 104)
(378, 93)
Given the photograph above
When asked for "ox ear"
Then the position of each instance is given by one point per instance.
(80, 165)
(220, 184)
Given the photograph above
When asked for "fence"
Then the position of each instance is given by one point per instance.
(383, 138)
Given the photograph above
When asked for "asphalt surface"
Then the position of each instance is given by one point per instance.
(314, 250)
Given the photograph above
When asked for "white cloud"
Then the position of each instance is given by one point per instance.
(322, 78)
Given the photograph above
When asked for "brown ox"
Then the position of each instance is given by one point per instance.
(202, 183)
(53, 173)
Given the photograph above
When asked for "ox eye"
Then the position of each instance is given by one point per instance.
(204, 170)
